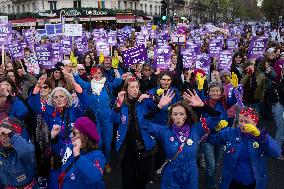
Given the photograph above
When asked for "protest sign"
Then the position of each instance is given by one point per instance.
(179, 38)
(44, 56)
(16, 50)
(111, 38)
(5, 33)
(225, 60)
(73, 30)
(215, 46)
(82, 44)
(162, 39)
(56, 53)
(58, 28)
(203, 62)
(103, 47)
(162, 57)
(50, 29)
(66, 45)
(232, 43)
(188, 58)
(193, 47)
(135, 55)
(257, 47)
(141, 39)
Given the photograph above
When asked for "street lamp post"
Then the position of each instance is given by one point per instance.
(90, 16)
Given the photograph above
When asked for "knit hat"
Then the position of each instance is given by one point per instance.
(85, 126)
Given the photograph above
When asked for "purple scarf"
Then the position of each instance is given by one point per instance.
(182, 132)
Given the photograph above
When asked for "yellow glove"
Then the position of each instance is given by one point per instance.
(250, 128)
(101, 58)
(73, 59)
(114, 62)
(160, 91)
(234, 80)
(200, 80)
(222, 124)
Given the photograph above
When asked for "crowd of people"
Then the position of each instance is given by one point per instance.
(57, 126)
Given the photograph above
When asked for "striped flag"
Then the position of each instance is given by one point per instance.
(101, 4)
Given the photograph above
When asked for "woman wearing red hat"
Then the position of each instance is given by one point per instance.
(83, 163)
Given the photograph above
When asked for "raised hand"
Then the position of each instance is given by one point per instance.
(77, 147)
(4, 131)
(200, 80)
(251, 129)
(234, 80)
(142, 97)
(222, 124)
(193, 99)
(120, 98)
(41, 80)
(166, 99)
(55, 131)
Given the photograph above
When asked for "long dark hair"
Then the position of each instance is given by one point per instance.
(191, 116)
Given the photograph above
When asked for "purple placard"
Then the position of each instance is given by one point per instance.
(162, 39)
(29, 36)
(66, 45)
(135, 55)
(232, 43)
(55, 53)
(194, 47)
(16, 50)
(181, 30)
(215, 46)
(5, 33)
(140, 39)
(257, 47)
(203, 62)
(225, 60)
(111, 38)
(162, 57)
(44, 56)
(103, 46)
(152, 34)
(81, 44)
(188, 58)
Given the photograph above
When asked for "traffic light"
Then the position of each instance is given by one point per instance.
(164, 7)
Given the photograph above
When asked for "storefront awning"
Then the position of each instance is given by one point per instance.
(24, 22)
(125, 19)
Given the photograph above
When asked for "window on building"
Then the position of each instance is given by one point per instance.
(23, 8)
(28, 7)
(135, 6)
(34, 6)
(146, 8)
(9, 9)
(119, 5)
(141, 6)
(3, 8)
(52, 5)
(131, 6)
(151, 13)
(18, 9)
(125, 4)
(77, 4)
(156, 10)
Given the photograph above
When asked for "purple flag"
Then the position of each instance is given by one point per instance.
(162, 56)
(81, 44)
(16, 50)
(257, 47)
(103, 46)
(225, 60)
(135, 55)
(66, 45)
(5, 33)
(43, 53)
(203, 62)
(188, 58)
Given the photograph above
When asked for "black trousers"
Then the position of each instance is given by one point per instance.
(136, 173)
(236, 185)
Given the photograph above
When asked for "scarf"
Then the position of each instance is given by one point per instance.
(182, 132)
(212, 102)
(97, 86)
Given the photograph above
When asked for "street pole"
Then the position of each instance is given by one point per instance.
(61, 20)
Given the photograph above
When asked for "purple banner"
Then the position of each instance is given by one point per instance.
(181, 30)
(257, 47)
(232, 43)
(55, 53)
(140, 39)
(16, 50)
(103, 46)
(193, 47)
(162, 56)
(29, 36)
(135, 55)
(162, 39)
(225, 60)
(66, 45)
(44, 56)
(82, 44)
(5, 33)
(215, 46)
(111, 38)
(203, 62)
(188, 58)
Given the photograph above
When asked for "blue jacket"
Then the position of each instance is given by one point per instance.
(86, 171)
(52, 117)
(233, 139)
(161, 117)
(182, 173)
(17, 168)
(18, 109)
(121, 118)
(213, 121)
